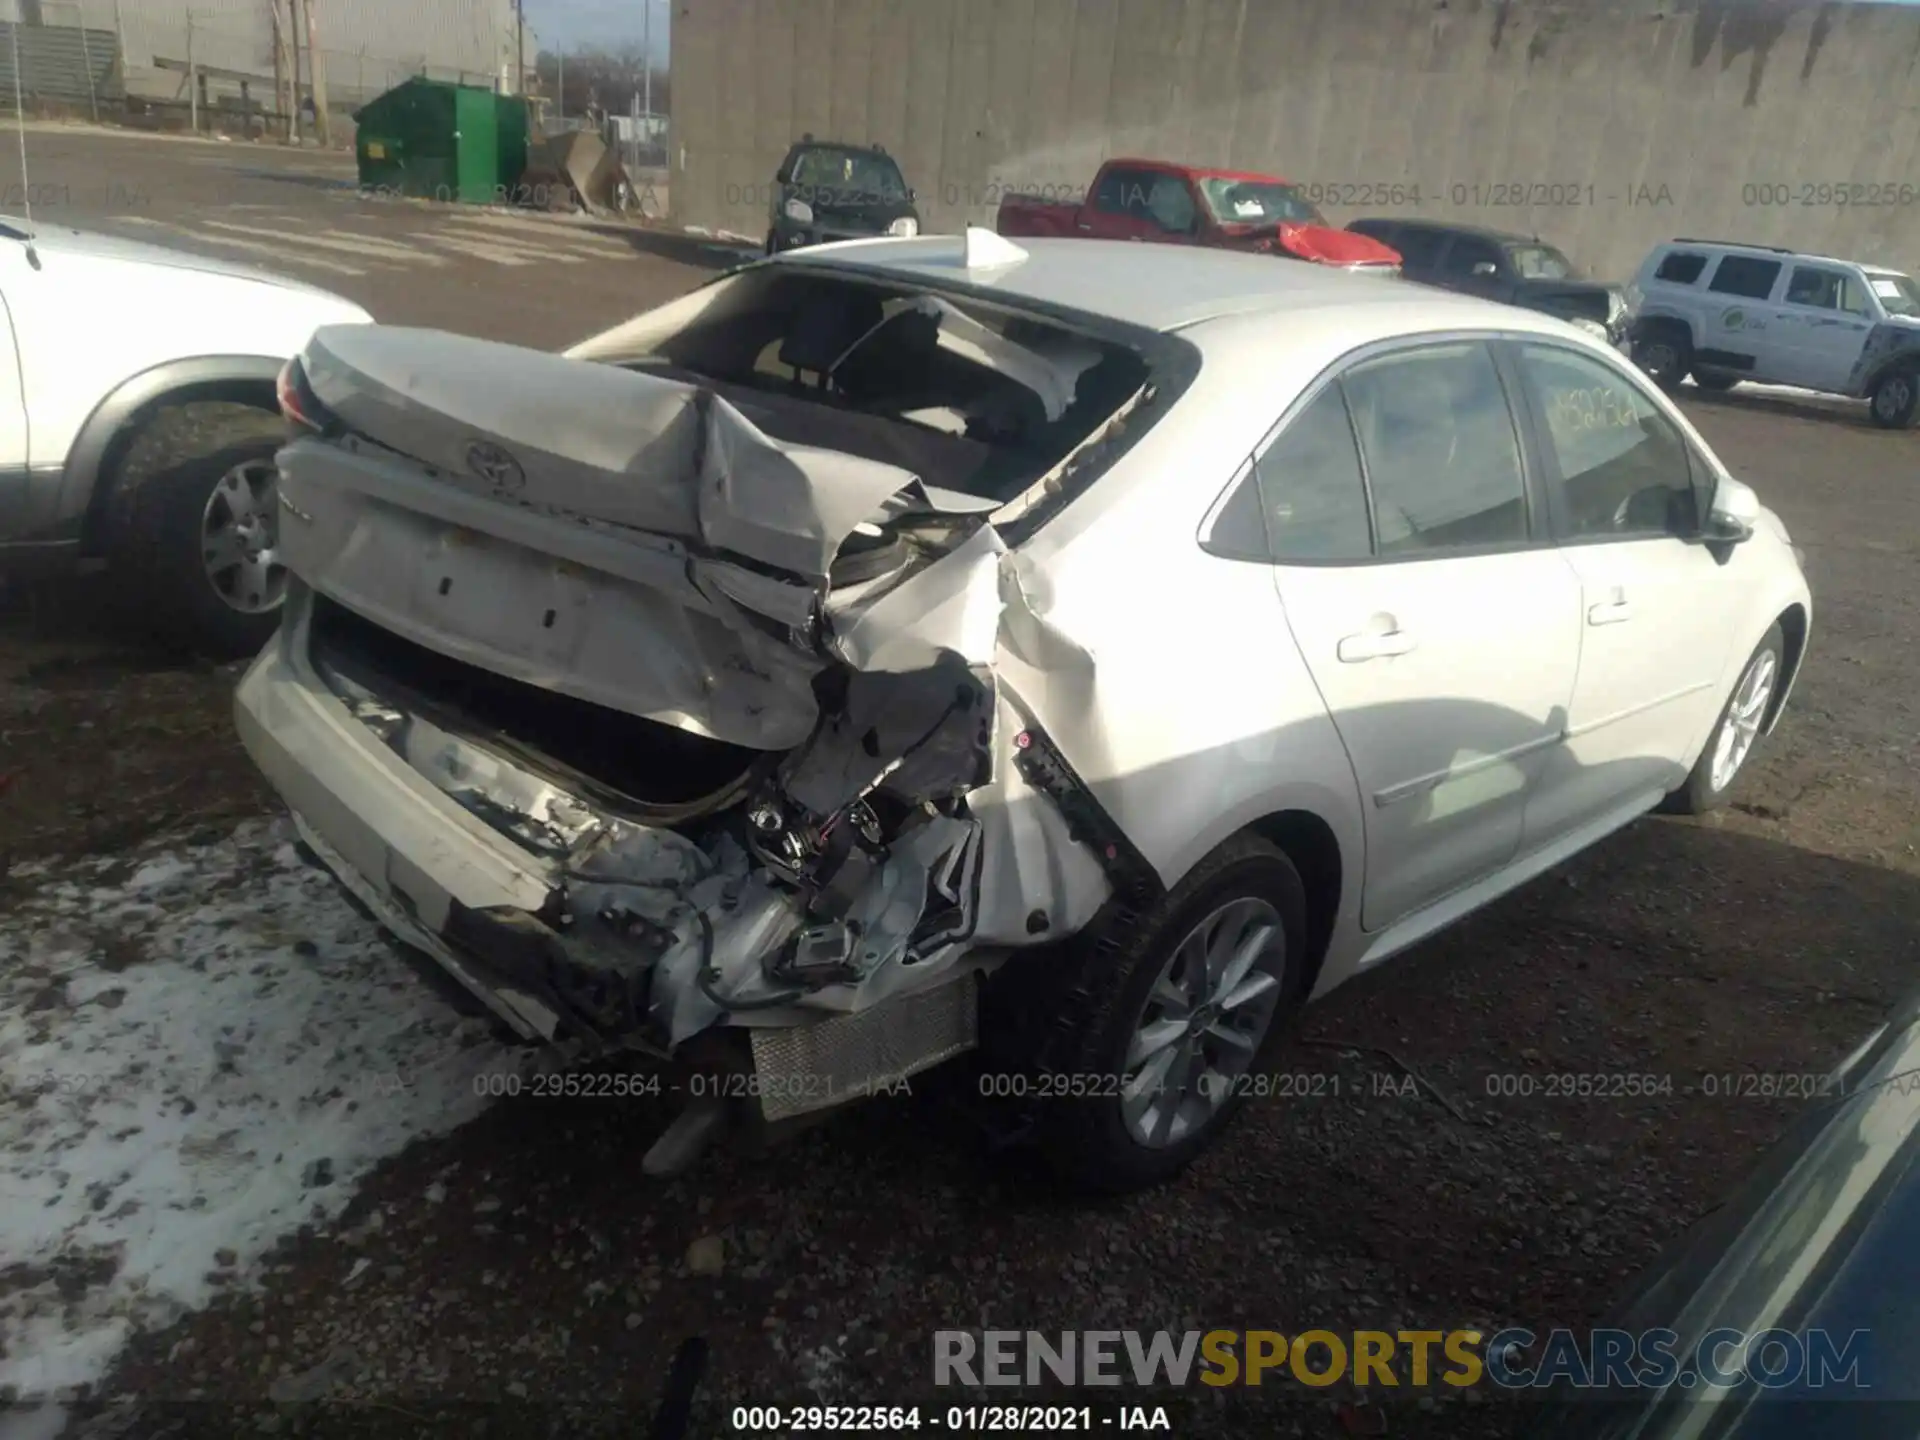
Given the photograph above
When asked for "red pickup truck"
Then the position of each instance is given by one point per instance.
(1152, 200)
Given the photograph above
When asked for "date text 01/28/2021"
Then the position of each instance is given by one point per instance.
(952, 1420)
(1477, 195)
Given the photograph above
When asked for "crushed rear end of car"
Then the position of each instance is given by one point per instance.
(656, 731)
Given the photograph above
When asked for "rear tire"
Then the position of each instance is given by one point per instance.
(1895, 398)
(1092, 1134)
(194, 492)
(1736, 734)
(1665, 353)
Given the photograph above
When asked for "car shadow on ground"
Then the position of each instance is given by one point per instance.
(702, 252)
(1829, 409)
(1502, 1127)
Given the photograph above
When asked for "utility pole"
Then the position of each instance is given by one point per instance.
(646, 53)
(294, 27)
(317, 70)
(193, 80)
(280, 70)
(520, 47)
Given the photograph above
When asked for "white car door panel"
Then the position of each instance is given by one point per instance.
(1449, 682)
(1820, 327)
(1441, 640)
(1656, 609)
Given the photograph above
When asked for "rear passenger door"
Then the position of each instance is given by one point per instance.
(1420, 249)
(1474, 265)
(1737, 330)
(1439, 625)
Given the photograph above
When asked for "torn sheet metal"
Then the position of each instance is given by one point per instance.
(1051, 370)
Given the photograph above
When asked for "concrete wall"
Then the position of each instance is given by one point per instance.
(1617, 123)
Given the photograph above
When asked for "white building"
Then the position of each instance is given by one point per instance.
(365, 46)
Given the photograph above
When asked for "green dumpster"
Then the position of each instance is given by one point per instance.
(433, 140)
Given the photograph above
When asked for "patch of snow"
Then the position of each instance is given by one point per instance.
(205, 1049)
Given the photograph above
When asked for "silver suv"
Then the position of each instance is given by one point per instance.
(1724, 313)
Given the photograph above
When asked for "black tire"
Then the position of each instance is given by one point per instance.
(1895, 398)
(1699, 795)
(1717, 382)
(773, 243)
(1665, 353)
(1085, 1138)
(154, 536)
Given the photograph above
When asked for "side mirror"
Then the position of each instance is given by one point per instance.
(783, 176)
(1733, 514)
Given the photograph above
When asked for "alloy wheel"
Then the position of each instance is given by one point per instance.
(1893, 398)
(1741, 727)
(240, 539)
(1202, 1023)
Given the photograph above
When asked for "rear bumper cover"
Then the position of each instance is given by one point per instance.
(479, 905)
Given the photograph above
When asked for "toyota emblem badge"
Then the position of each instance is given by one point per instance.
(495, 466)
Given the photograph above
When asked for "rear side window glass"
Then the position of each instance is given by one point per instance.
(1466, 252)
(1419, 249)
(1682, 267)
(1745, 276)
(1311, 489)
(1442, 454)
(1124, 192)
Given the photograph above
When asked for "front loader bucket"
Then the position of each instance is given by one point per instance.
(575, 170)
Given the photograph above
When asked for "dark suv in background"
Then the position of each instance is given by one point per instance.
(827, 190)
(1515, 269)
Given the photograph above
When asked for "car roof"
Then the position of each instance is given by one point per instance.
(846, 146)
(1739, 247)
(1154, 287)
(1446, 227)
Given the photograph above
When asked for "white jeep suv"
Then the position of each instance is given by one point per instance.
(1726, 313)
(138, 424)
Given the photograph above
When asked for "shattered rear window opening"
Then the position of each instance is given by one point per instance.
(979, 400)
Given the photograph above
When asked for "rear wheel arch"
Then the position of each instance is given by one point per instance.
(1310, 843)
(94, 462)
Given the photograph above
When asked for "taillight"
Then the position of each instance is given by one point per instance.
(297, 402)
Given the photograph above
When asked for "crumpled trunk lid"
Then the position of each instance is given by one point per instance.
(624, 538)
(597, 443)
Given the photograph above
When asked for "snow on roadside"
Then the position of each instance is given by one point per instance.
(203, 1049)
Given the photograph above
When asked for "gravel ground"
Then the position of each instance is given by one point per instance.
(521, 1270)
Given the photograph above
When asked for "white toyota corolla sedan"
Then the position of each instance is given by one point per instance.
(1077, 653)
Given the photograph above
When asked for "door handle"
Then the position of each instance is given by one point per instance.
(1082, 225)
(1610, 612)
(1381, 644)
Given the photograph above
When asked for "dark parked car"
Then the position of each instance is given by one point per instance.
(825, 190)
(1515, 269)
(1821, 1243)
